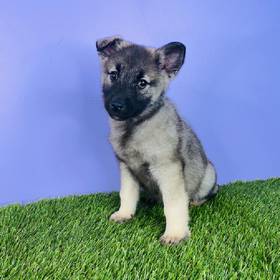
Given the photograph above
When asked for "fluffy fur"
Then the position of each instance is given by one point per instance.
(158, 152)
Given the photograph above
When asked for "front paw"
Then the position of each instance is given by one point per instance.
(120, 217)
(174, 238)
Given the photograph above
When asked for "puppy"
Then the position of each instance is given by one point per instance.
(157, 151)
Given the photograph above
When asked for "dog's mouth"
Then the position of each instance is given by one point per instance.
(119, 118)
(124, 116)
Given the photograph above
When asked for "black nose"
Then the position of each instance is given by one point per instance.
(117, 106)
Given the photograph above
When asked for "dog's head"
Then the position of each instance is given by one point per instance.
(135, 77)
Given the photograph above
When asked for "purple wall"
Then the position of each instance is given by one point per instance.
(53, 129)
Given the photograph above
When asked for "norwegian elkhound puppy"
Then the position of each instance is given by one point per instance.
(157, 151)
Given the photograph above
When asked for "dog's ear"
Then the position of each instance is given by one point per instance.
(171, 57)
(109, 45)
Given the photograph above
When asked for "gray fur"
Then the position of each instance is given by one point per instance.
(151, 139)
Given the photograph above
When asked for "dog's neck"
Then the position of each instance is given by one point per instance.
(149, 112)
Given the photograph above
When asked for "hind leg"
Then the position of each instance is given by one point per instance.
(208, 187)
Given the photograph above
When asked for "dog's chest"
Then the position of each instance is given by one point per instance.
(142, 148)
(143, 145)
(133, 150)
(138, 158)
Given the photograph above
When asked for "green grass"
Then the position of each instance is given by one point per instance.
(234, 236)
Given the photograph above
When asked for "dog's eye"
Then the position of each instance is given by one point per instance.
(113, 75)
(142, 84)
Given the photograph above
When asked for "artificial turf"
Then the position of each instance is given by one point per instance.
(234, 236)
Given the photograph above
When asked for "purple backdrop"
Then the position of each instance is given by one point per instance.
(53, 129)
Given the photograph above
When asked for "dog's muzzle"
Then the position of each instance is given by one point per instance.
(119, 109)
